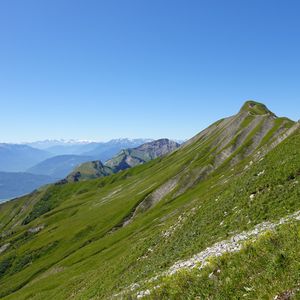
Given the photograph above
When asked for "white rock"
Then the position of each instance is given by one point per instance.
(261, 173)
(252, 196)
(4, 247)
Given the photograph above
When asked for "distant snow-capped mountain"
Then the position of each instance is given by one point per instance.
(44, 144)
(87, 147)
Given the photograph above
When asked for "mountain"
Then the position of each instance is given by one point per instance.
(89, 170)
(76, 149)
(105, 151)
(216, 219)
(97, 150)
(64, 147)
(18, 158)
(125, 159)
(132, 157)
(46, 144)
(58, 166)
(18, 184)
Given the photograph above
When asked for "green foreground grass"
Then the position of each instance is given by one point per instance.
(263, 269)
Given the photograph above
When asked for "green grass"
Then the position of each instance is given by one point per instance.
(94, 257)
(263, 269)
(255, 108)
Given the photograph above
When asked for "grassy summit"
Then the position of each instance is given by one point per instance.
(256, 108)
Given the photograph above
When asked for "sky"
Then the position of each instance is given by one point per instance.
(97, 70)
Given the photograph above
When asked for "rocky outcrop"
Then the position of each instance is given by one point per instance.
(4, 247)
(129, 158)
(36, 229)
(157, 195)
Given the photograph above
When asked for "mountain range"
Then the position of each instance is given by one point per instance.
(132, 157)
(51, 160)
(46, 144)
(105, 151)
(16, 184)
(98, 150)
(58, 166)
(216, 218)
(18, 158)
(125, 159)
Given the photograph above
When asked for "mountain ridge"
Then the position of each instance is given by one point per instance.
(126, 158)
(101, 237)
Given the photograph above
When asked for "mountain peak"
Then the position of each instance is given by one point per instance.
(255, 108)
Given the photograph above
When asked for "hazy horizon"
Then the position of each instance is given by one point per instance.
(107, 139)
(84, 141)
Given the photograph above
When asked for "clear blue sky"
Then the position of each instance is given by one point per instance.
(92, 69)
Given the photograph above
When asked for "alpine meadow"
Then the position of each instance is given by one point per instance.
(216, 218)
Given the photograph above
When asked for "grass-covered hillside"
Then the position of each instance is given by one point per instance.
(116, 237)
(89, 170)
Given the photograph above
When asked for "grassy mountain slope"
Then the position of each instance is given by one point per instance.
(89, 170)
(266, 268)
(96, 238)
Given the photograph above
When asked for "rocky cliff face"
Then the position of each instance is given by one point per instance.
(158, 148)
(129, 158)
